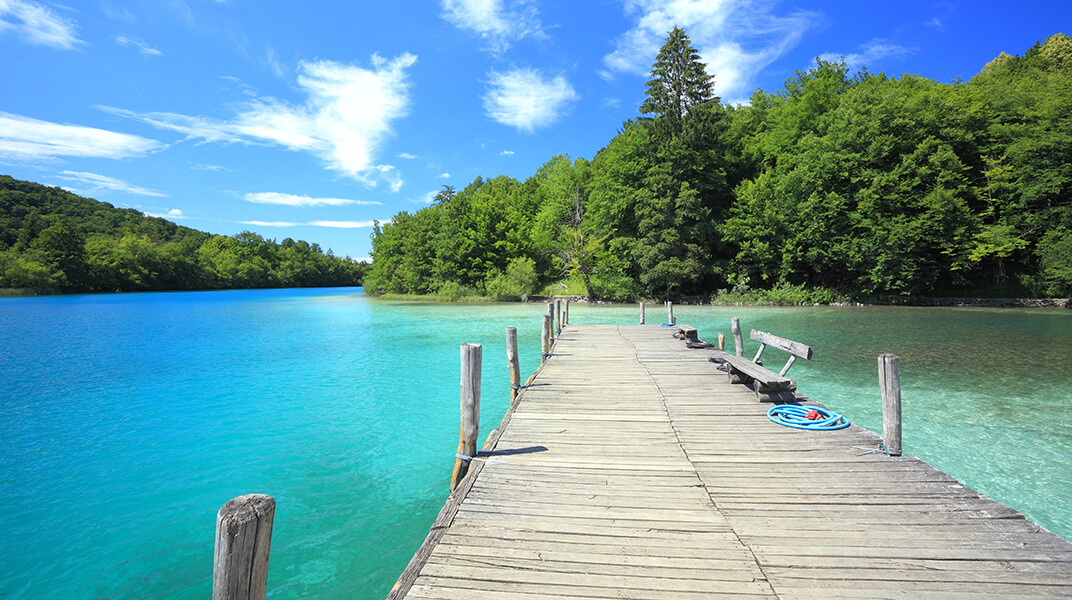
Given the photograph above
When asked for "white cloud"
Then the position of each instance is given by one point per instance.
(26, 138)
(303, 201)
(506, 153)
(172, 214)
(271, 223)
(344, 119)
(200, 167)
(407, 156)
(103, 182)
(37, 24)
(131, 42)
(498, 22)
(332, 224)
(736, 38)
(443, 176)
(875, 50)
(522, 98)
(343, 224)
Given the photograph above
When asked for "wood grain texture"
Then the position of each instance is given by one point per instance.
(633, 469)
(243, 543)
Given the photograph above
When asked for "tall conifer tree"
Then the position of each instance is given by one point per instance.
(679, 80)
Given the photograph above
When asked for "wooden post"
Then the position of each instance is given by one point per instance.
(472, 355)
(737, 339)
(669, 312)
(641, 313)
(565, 311)
(558, 317)
(551, 313)
(545, 338)
(512, 363)
(243, 540)
(721, 341)
(890, 381)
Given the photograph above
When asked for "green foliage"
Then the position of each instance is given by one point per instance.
(516, 283)
(838, 186)
(56, 240)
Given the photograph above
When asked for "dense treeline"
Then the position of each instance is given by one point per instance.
(51, 239)
(857, 185)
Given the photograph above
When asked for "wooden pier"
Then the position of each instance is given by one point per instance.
(632, 468)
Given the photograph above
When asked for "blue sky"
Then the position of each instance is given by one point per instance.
(312, 119)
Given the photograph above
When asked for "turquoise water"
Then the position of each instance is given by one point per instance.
(128, 420)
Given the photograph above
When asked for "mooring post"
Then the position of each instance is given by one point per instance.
(669, 312)
(243, 541)
(512, 363)
(890, 381)
(551, 313)
(472, 355)
(545, 338)
(721, 341)
(565, 311)
(641, 313)
(558, 317)
(737, 339)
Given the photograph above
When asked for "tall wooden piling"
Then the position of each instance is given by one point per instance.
(472, 356)
(512, 363)
(565, 311)
(737, 339)
(558, 317)
(889, 379)
(545, 338)
(721, 341)
(641, 313)
(243, 541)
(669, 312)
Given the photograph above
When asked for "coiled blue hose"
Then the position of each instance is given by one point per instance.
(793, 415)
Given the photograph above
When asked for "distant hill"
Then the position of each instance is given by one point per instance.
(53, 240)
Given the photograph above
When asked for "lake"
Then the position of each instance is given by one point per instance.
(128, 420)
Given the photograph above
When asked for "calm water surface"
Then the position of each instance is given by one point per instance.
(128, 420)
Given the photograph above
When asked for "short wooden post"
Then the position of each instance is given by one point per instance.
(558, 317)
(545, 338)
(565, 311)
(551, 313)
(243, 541)
(721, 341)
(890, 381)
(669, 312)
(737, 339)
(512, 363)
(472, 355)
(641, 313)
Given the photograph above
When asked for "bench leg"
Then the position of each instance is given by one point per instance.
(737, 376)
(764, 395)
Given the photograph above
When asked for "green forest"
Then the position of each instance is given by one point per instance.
(838, 186)
(54, 241)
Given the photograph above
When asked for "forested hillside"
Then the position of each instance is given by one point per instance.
(51, 239)
(858, 185)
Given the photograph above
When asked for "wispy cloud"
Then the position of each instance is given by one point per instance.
(164, 213)
(26, 138)
(346, 115)
(37, 24)
(127, 41)
(523, 98)
(736, 38)
(217, 168)
(98, 183)
(407, 156)
(301, 201)
(443, 176)
(506, 153)
(871, 52)
(331, 224)
(499, 23)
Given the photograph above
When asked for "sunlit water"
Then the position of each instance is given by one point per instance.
(128, 420)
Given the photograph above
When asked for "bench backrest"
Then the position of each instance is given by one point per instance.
(794, 349)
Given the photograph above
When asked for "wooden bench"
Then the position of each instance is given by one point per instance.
(768, 385)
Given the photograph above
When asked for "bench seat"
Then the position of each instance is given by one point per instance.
(768, 385)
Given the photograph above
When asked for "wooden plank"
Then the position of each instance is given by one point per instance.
(781, 343)
(630, 470)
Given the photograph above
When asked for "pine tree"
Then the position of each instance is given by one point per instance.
(679, 80)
